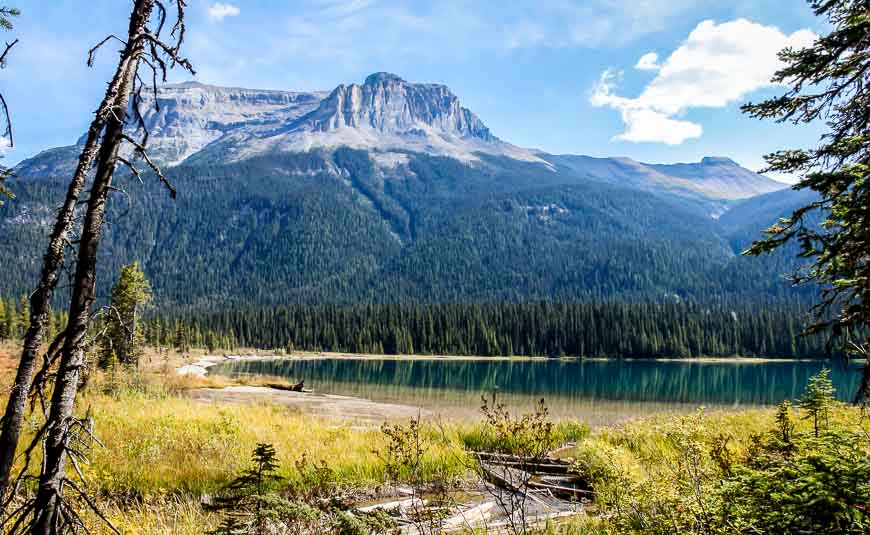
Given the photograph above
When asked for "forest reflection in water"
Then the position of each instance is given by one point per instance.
(599, 391)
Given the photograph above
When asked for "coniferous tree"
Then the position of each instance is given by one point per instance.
(210, 343)
(817, 399)
(3, 333)
(22, 317)
(9, 323)
(830, 81)
(252, 491)
(124, 334)
(180, 340)
(611, 329)
(785, 428)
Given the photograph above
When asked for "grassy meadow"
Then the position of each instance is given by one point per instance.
(164, 454)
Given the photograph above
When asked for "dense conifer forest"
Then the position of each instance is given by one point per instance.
(327, 228)
(547, 328)
(613, 329)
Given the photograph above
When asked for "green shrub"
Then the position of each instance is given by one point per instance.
(716, 474)
(530, 435)
(821, 486)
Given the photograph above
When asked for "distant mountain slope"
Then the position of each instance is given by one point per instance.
(392, 191)
(710, 185)
(758, 213)
(721, 178)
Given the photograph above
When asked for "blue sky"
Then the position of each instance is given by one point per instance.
(562, 76)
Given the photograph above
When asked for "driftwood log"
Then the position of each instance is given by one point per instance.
(298, 387)
(548, 488)
(518, 474)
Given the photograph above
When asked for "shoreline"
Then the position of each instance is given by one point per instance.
(332, 406)
(355, 405)
(208, 361)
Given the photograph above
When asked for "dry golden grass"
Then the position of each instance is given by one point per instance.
(164, 452)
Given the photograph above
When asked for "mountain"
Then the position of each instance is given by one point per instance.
(746, 215)
(384, 113)
(721, 178)
(188, 117)
(390, 106)
(710, 185)
(393, 191)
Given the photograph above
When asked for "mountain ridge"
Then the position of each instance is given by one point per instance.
(293, 197)
(390, 117)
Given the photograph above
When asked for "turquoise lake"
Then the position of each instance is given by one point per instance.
(599, 391)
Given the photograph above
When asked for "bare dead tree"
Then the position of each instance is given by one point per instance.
(40, 300)
(4, 108)
(6, 14)
(106, 135)
(143, 45)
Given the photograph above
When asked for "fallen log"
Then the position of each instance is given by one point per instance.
(510, 457)
(521, 475)
(512, 480)
(298, 387)
(401, 505)
(560, 490)
(538, 466)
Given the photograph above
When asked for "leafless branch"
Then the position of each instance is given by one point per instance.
(140, 151)
(92, 52)
(20, 515)
(161, 17)
(180, 27)
(8, 132)
(170, 51)
(37, 387)
(132, 170)
(87, 499)
(28, 456)
(6, 52)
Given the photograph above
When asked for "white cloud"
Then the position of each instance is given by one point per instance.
(648, 62)
(345, 7)
(341, 33)
(642, 124)
(717, 65)
(219, 11)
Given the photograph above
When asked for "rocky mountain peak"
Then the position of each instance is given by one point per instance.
(190, 115)
(383, 77)
(388, 104)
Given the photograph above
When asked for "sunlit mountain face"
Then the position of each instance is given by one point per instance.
(390, 190)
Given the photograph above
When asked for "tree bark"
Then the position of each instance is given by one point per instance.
(114, 102)
(48, 499)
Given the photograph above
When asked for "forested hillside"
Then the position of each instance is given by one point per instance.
(392, 192)
(551, 329)
(332, 227)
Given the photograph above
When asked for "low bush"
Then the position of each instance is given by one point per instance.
(787, 471)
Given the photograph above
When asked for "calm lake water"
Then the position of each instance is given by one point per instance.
(598, 391)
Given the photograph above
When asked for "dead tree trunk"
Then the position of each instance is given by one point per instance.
(143, 45)
(102, 144)
(40, 300)
(48, 500)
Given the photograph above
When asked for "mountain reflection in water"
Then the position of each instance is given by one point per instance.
(599, 391)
